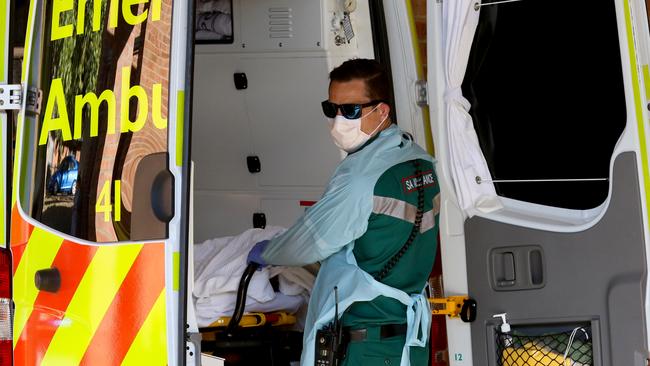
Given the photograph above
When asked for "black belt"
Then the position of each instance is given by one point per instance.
(386, 331)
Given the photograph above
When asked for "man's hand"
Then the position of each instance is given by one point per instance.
(255, 255)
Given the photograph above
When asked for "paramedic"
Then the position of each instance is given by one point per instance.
(369, 205)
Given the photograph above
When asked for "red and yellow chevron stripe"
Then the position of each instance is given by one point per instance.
(110, 309)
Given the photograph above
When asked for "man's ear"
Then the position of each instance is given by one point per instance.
(384, 109)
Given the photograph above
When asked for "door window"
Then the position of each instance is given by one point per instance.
(105, 83)
(546, 89)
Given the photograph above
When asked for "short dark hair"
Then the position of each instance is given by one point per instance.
(375, 76)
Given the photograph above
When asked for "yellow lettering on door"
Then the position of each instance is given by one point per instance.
(60, 31)
(81, 15)
(50, 123)
(93, 104)
(140, 95)
(127, 12)
(156, 108)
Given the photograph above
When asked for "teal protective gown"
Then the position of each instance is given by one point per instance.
(327, 231)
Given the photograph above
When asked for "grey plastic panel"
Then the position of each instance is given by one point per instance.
(147, 197)
(595, 276)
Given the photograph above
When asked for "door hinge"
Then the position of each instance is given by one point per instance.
(11, 98)
(421, 93)
(34, 100)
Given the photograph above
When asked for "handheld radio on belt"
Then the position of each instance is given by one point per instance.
(330, 349)
(328, 339)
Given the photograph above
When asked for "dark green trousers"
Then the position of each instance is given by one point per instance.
(374, 351)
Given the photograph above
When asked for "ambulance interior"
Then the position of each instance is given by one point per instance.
(261, 149)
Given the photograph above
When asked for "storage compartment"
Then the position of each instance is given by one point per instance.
(545, 345)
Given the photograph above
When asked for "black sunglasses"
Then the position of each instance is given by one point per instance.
(349, 111)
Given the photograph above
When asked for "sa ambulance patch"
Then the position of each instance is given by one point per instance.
(425, 179)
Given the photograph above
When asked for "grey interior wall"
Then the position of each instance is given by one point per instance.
(277, 118)
(595, 276)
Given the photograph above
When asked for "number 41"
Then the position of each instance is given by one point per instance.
(104, 201)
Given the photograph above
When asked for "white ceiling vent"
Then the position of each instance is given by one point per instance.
(281, 22)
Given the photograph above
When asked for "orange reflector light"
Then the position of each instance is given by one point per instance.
(6, 316)
(6, 353)
(5, 273)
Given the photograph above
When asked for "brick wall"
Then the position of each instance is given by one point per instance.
(146, 52)
(154, 70)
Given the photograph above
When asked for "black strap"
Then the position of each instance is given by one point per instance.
(240, 303)
(414, 231)
(385, 331)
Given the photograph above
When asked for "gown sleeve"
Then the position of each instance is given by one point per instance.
(337, 219)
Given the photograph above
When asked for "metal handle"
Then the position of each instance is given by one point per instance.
(48, 280)
(162, 196)
(468, 312)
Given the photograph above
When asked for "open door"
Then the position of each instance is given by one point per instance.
(396, 45)
(96, 226)
(555, 98)
(6, 308)
(5, 128)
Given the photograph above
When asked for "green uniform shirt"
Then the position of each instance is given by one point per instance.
(394, 208)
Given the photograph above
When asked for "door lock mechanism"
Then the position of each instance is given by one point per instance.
(454, 307)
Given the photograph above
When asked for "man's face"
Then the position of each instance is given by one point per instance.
(354, 92)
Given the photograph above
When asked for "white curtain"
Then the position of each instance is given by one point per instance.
(460, 19)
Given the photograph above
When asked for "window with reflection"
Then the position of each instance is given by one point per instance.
(102, 136)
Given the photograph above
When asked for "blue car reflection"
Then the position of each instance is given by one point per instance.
(65, 178)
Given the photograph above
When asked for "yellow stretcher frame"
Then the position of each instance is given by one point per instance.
(250, 320)
(450, 306)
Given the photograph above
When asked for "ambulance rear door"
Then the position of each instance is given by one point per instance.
(396, 45)
(558, 105)
(96, 228)
(5, 130)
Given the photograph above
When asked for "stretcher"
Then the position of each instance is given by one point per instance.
(274, 319)
(266, 338)
(253, 338)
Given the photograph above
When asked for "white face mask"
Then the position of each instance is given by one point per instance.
(347, 134)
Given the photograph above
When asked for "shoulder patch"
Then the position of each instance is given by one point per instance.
(424, 179)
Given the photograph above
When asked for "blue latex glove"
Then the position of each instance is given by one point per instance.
(255, 255)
